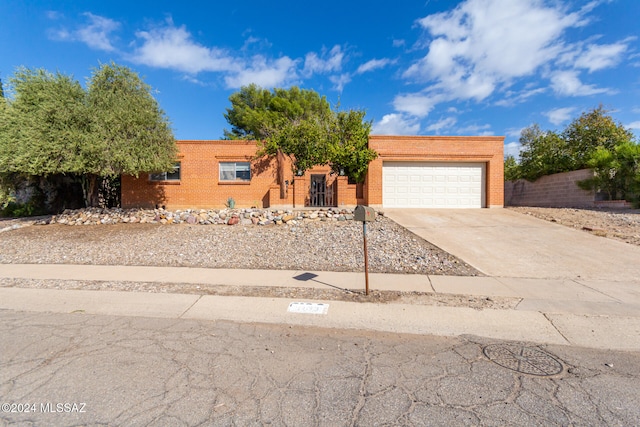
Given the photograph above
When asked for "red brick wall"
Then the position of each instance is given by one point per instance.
(476, 149)
(200, 187)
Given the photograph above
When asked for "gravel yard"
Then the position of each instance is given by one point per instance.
(621, 224)
(308, 245)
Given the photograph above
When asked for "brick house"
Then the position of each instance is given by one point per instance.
(410, 171)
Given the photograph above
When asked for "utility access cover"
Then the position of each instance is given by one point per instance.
(523, 359)
(308, 308)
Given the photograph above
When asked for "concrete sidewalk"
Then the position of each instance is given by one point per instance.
(586, 313)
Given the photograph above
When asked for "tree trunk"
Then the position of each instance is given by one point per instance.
(90, 190)
(281, 180)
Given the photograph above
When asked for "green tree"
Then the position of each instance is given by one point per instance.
(45, 126)
(548, 152)
(129, 133)
(511, 169)
(258, 114)
(54, 126)
(349, 151)
(616, 171)
(593, 130)
(542, 153)
(300, 124)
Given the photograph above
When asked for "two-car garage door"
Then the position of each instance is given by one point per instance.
(433, 185)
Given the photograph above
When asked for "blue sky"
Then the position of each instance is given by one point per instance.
(430, 67)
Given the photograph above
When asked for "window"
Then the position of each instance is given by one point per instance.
(235, 171)
(167, 176)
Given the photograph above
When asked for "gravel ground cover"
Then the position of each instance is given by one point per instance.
(308, 245)
(618, 224)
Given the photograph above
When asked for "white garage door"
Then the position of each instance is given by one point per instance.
(433, 185)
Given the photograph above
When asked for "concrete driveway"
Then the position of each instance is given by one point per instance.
(504, 243)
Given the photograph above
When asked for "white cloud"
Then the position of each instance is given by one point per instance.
(96, 33)
(559, 115)
(568, 83)
(54, 15)
(418, 105)
(395, 124)
(340, 81)
(634, 125)
(264, 73)
(372, 65)
(476, 130)
(514, 97)
(597, 57)
(442, 124)
(514, 132)
(482, 47)
(482, 43)
(512, 149)
(172, 47)
(328, 62)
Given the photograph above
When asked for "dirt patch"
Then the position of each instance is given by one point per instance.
(358, 296)
(618, 224)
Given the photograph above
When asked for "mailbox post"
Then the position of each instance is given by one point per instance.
(365, 214)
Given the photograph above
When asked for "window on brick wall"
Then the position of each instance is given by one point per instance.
(235, 171)
(167, 176)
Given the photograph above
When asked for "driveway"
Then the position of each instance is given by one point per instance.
(503, 243)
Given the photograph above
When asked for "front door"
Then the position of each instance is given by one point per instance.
(319, 194)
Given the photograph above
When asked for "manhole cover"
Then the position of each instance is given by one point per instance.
(527, 360)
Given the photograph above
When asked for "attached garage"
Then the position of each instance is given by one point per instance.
(412, 184)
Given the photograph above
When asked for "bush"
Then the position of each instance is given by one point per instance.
(34, 207)
(15, 210)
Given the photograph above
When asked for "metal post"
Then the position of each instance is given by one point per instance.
(366, 258)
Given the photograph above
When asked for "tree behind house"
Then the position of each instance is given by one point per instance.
(595, 141)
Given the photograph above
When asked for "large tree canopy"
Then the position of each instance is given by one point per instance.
(301, 124)
(258, 113)
(595, 141)
(547, 152)
(45, 126)
(129, 133)
(54, 126)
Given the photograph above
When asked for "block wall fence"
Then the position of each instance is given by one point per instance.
(557, 190)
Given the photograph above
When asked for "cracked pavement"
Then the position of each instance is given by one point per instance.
(149, 371)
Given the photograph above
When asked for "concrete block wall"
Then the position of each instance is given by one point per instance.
(557, 190)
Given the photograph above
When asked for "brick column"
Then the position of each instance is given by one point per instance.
(342, 195)
(300, 190)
